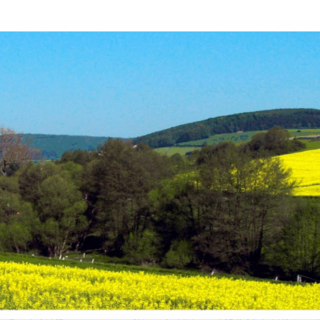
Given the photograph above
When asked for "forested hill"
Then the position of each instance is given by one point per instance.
(53, 146)
(248, 121)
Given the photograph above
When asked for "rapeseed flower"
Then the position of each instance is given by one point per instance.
(39, 287)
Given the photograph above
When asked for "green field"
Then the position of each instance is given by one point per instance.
(169, 151)
(217, 138)
(311, 145)
(304, 132)
(237, 138)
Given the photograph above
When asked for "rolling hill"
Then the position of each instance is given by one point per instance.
(249, 121)
(53, 146)
(237, 127)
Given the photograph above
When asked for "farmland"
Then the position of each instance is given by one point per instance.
(304, 167)
(187, 233)
(237, 138)
(38, 287)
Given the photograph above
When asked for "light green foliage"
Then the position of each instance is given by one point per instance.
(172, 150)
(223, 137)
(9, 183)
(141, 249)
(72, 171)
(61, 209)
(53, 191)
(179, 255)
(170, 187)
(19, 225)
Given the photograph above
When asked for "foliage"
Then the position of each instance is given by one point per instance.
(220, 206)
(273, 142)
(117, 184)
(251, 121)
(79, 157)
(299, 242)
(141, 249)
(179, 255)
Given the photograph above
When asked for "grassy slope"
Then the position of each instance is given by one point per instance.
(312, 145)
(114, 264)
(237, 138)
(258, 120)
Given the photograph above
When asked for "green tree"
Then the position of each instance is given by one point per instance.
(221, 152)
(61, 213)
(180, 254)
(273, 142)
(298, 247)
(53, 191)
(239, 201)
(9, 205)
(277, 139)
(141, 248)
(31, 177)
(117, 183)
(79, 157)
(18, 223)
(10, 184)
(174, 210)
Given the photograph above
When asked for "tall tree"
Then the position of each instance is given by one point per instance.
(273, 142)
(117, 184)
(297, 248)
(13, 153)
(60, 209)
(239, 205)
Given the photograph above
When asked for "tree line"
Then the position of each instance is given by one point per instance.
(226, 207)
(249, 121)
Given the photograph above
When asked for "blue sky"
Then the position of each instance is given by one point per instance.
(127, 84)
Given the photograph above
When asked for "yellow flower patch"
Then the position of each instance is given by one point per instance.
(305, 168)
(37, 287)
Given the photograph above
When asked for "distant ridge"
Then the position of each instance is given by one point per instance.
(52, 146)
(245, 121)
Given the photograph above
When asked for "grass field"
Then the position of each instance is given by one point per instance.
(312, 145)
(237, 138)
(217, 138)
(172, 150)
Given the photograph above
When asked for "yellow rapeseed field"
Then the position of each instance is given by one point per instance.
(305, 168)
(28, 286)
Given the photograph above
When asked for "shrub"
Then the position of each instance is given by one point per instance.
(179, 255)
(141, 249)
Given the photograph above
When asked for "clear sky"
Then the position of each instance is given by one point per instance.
(127, 84)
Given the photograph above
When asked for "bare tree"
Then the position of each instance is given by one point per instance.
(13, 152)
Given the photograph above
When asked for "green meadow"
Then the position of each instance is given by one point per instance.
(237, 138)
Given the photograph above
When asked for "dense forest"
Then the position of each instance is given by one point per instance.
(210, 210)
(250, 121)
